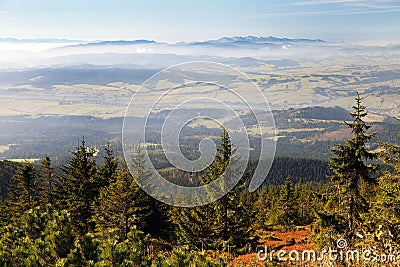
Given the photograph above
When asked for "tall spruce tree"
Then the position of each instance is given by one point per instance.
(46, 181)
(222, 159)
(286, 211)
(264, 202)
(305, 196)
(223, 224)
(154, 214)
(123, 205)
(107, 171)
(23, 193)
(119, 205)
(80, 187)
(352, 166)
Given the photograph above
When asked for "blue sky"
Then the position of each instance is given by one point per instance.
(187, 20)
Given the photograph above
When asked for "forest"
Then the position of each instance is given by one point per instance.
(92, 212)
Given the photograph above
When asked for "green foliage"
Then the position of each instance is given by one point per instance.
(387, 205)
(305, 196)
(7, 170)
(263, 204)
(129, 252)
(385, 213)
(108, 170)
(80, 187)
(223, 224)
(43, 237)
(286, 211)
(119, 204)
(153, 214)
(23, 193)
(182, 256)
(47, 180)
(352, 167)
(97, 215)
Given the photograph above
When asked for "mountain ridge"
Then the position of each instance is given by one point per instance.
(38, 40)
(251, 39)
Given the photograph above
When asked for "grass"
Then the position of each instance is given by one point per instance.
(210, 124)
(297, 239)
(296, 88)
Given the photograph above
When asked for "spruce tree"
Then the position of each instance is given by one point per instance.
(47, 181)
(265, 201)
(223, 224)
(286, 211)
(304, 194)
(154, 214)
(352, 166)
(119, 205)
(386, 205)
(222, 159)
(23, 192)
(107, 171)
(123, 205)
(194, 226)
(80, 187)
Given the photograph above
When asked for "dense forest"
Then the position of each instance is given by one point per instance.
(303, 133)
(92, 212)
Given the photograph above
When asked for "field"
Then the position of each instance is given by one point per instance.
(327, 81)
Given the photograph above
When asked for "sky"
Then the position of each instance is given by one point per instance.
(189, 20)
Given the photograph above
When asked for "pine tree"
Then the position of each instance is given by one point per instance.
(154, 214)
(231, 224)
(107, 171)
(43, 237)
(286, 211)
(47, 181)
(305, 196)
(23, 193)
(264, 202)
(119, 205)
(194, 226)
(222, 159)
(386, 205)
(223, 224)
(129, 252)
(123, 205)
(351, 167)
(80, 187)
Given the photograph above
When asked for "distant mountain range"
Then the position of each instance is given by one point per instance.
(237, 42)
(39, 40)
(224, 41)
(122, 42)
(257, 40)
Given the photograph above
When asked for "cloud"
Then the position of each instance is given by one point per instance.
(342, 2)
(325, 12)
(343, 7)
(295, 13)
(144, 50)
